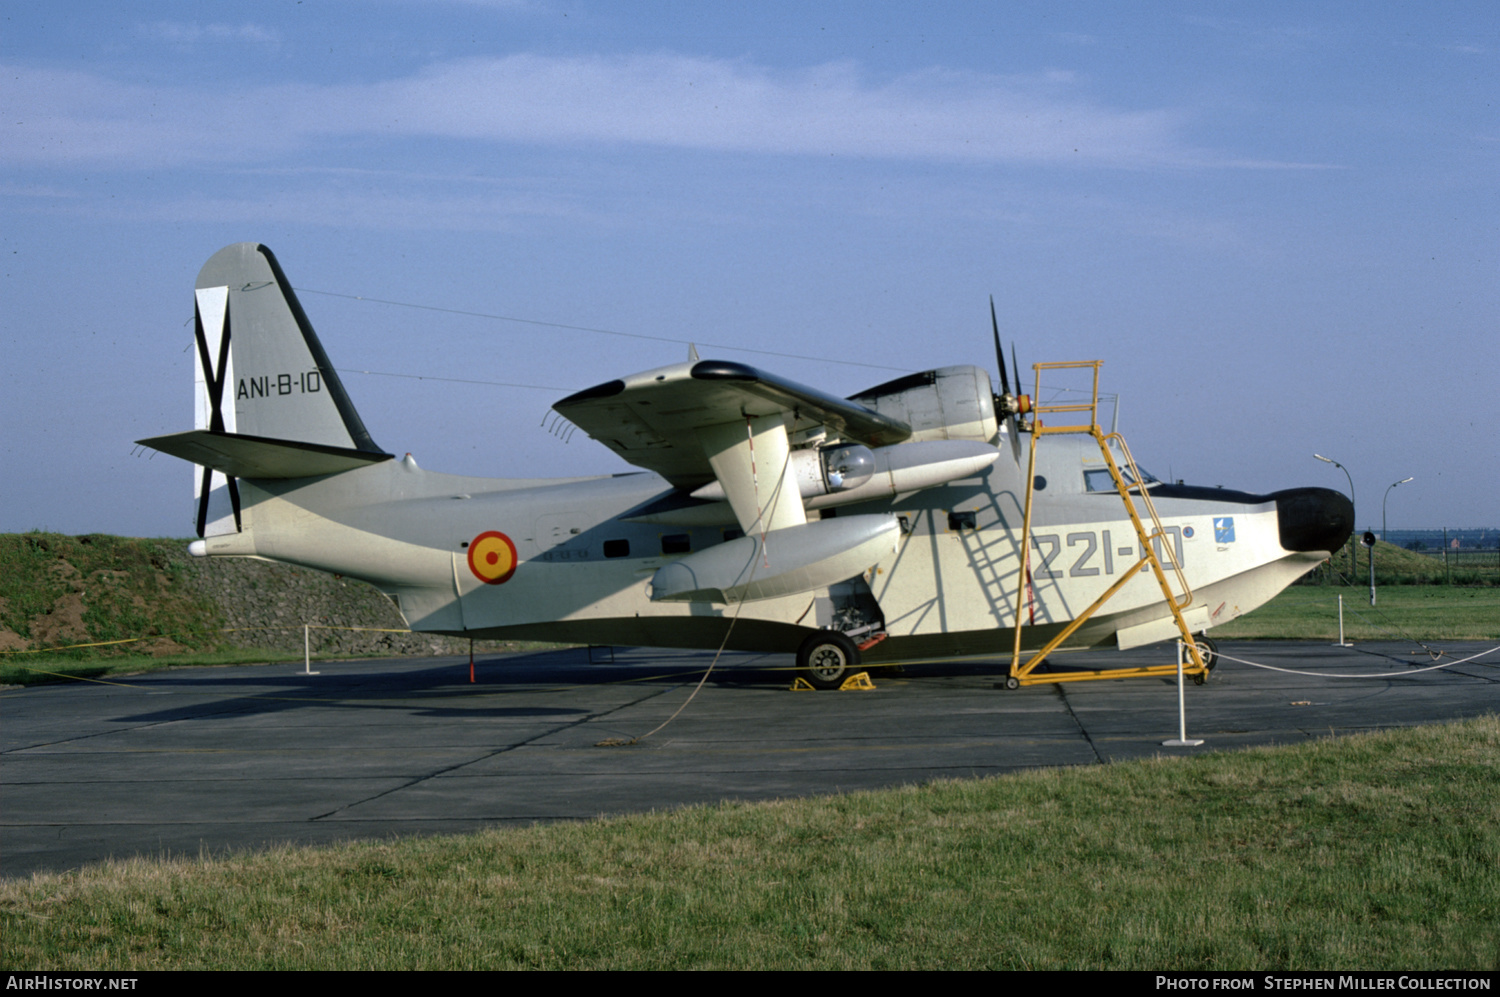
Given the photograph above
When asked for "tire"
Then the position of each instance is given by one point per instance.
(827, 658)
(1208, 650)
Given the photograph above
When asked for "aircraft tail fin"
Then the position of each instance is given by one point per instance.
(260, 372)
(260, 369)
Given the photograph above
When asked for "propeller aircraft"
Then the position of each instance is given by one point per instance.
(765, 515)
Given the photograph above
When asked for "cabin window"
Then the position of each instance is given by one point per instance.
(966, 519)
(676, 543)
(1098, 480)
(733, 533)
(617, 548)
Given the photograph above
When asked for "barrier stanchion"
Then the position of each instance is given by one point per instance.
(1181, 740)
(307, 651)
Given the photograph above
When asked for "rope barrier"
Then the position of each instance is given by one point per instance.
(1349, 583)
(167, 636)
(1372, 675)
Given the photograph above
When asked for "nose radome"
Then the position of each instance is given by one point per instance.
(1312, 519)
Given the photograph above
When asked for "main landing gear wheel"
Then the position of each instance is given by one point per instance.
(827, 658)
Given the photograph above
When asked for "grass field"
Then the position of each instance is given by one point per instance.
(1379, 851)
(1423, 612)
(93, 606)
(57, 590)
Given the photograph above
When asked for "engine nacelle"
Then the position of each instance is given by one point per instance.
(910, 467)
(949, 403)
(826, 471)
(843, 475)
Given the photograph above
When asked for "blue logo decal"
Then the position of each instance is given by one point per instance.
(1187, 531)
(1224, 529)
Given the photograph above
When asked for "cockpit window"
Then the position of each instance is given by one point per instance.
(1098, 480)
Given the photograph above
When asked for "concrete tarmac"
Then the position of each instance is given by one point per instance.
(200, 760)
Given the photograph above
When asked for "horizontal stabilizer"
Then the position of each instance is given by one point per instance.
(241, 456)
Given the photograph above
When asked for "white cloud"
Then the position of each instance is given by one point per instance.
(185, 35)
(1274, 37)
(51, 117)
(686, 102)
(45, 191)
(375, 210)
(665, 100)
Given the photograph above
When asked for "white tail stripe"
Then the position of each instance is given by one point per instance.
(212, 309)
(216, 498)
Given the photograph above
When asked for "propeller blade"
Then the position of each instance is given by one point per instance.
(1020, 387)
(999, 353)
(1011, 419)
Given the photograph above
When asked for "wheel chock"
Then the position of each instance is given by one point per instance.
(859, 681)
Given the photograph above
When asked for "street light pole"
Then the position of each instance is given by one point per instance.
(1353, 551)
(1382, 505)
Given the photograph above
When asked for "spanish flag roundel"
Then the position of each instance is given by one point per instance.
(492, 558)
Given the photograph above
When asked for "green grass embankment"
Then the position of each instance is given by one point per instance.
(172, 609)
(1399, 566)
(98, 590)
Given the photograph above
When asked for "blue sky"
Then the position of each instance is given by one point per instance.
(1275, 223)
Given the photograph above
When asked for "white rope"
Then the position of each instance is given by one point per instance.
(1373, 675)
(738, 605)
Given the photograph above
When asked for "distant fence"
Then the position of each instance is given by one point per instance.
(1463, 552)
(1431, 541)
(1442, 556)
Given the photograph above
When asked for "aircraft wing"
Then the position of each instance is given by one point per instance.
(658, 419)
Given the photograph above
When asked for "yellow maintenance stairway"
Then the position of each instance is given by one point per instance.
(1135, 496)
